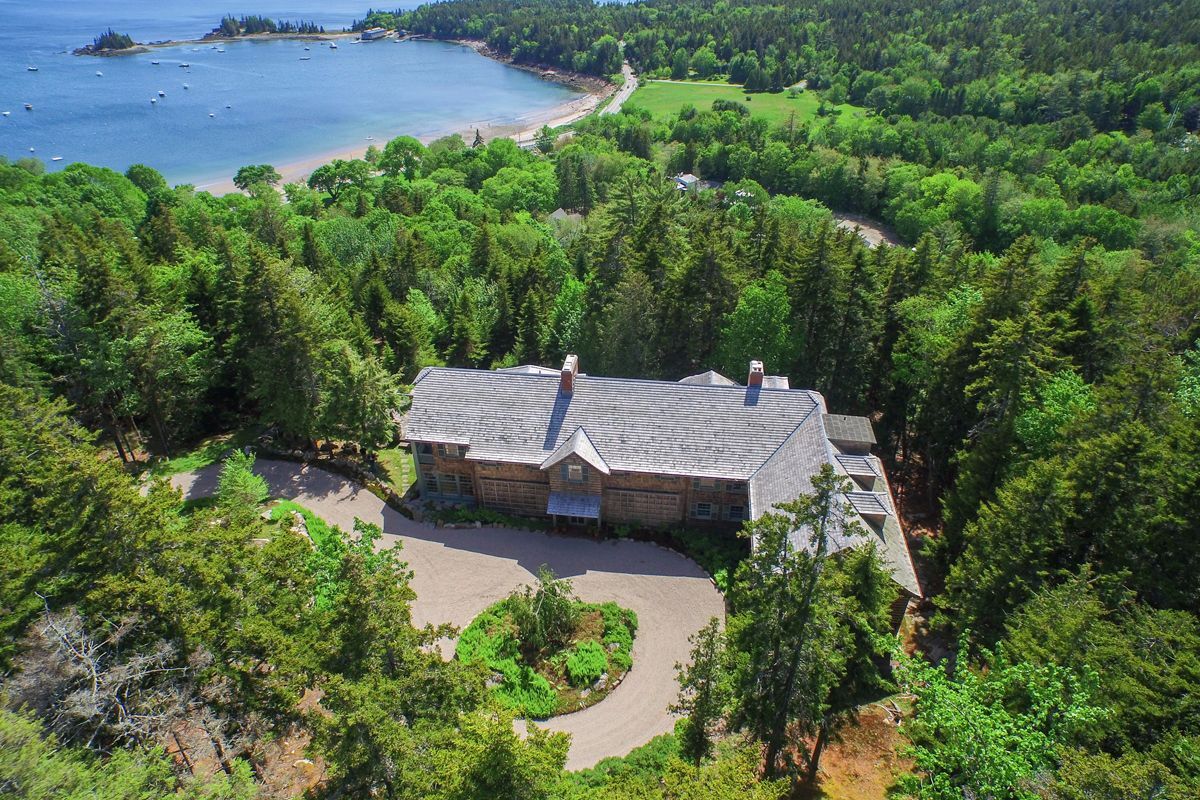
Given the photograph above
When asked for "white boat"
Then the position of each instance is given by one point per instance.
(186, 86)
(220, 49)
(153, 100)
(155, 63)
(211, 115)
(333, 45)
(306, 48)
(31, 69)
(306, 58)
(370, 138)
(31, 150)
(29, 106)
(99, 74)
(5, 113)
(185, 65)
(161, 93)
(57, 158)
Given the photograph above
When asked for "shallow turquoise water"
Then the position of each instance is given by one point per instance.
(267, 105)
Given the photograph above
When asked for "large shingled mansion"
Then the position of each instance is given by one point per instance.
(588, 450)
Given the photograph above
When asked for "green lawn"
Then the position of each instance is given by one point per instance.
(319, 530)
(665, 99)
(209, 451)
(399, 468)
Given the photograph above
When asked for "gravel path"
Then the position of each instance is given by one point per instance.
(458, 573)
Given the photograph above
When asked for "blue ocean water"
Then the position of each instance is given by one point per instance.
(267, 105)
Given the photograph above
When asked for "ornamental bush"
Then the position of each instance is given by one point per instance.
(586, 662)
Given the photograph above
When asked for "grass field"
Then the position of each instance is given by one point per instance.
(663, 99)
(399, 466)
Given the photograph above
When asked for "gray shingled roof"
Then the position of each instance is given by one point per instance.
(860, 465)
(870, 504)
(842, 428)
(573, 505)
(635, 425)
(578, 445)
(710, 378)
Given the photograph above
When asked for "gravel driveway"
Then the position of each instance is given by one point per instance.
(458, 573)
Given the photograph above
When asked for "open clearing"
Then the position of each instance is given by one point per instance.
(664, 99)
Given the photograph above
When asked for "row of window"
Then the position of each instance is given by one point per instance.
(713, 485)
(713, 511)
(447, 485)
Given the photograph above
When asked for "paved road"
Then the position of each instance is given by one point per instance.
(627, 88)
(458, 573)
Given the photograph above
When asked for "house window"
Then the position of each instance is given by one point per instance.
(447, 485)
(735, 487)
(735, 513)
(449, 450)
(573, 520)
(425, 453)
(706, 484)
(575, 473)
(702, 510)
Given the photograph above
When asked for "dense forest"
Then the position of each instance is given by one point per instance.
(1031, 357)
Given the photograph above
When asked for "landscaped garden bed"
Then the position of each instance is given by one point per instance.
(549, 652)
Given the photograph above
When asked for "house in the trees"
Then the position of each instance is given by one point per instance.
(587, 450)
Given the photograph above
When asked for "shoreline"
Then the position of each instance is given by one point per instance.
(523, 128)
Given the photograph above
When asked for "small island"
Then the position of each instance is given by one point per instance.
(108, 43)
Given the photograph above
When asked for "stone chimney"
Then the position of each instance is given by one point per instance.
(570, 368)
(756, 374)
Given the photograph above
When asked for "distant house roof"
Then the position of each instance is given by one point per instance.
(774, 439)
(710, 378)
(686, 179)
(561, 214)
(529, 369)
(713, 378)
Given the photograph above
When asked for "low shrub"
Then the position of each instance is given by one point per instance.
(719, 553)
(586, 662)
(524, 691)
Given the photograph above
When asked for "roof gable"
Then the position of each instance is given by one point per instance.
(578, 445)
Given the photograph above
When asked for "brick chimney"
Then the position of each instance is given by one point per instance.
(756, 374)
(570, 368)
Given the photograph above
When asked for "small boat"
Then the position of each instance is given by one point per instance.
(161, 93)
(31, 150)
(153, 100)
(155, 63)
(5, 113)
(211, 115)
(370, 138)
(99, 74)
(29, 106)
(185, 65)
(186, 86)
(306, 48)
(31, 69)
(220, 49)
(306, 58)
(229, 106)
(333, 45)
(57, 158)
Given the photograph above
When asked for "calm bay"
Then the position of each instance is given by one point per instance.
(278, 101)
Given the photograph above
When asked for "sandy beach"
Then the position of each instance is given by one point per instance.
(523, 129)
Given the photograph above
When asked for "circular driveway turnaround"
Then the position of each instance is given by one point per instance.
(459, 572)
